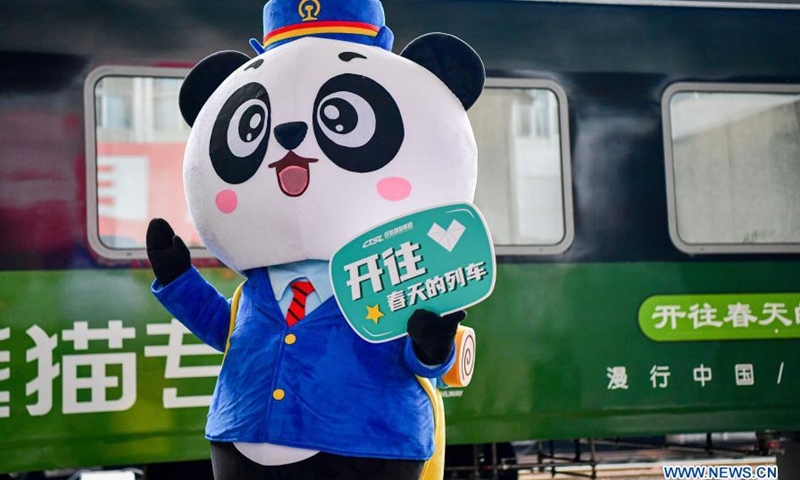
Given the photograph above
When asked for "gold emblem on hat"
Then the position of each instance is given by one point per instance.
(308, 10)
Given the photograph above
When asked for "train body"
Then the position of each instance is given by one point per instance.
(638, 167)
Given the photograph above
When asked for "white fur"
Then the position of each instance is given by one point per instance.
(438, 157)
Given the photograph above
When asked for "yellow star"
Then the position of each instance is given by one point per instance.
(374, 313)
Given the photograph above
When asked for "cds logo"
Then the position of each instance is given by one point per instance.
(372, 241)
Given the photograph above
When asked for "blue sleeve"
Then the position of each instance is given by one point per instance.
(198, 305)
(422, 370)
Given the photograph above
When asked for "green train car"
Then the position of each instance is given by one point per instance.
(639, 165)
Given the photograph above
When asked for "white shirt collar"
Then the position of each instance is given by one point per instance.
(315, 271)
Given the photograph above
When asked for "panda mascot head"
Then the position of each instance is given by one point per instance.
(325, 133)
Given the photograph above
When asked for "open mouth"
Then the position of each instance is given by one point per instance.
(293, 173)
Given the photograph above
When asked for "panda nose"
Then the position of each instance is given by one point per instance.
(291, 134)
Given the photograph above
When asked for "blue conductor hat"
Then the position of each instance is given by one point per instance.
(359, 21)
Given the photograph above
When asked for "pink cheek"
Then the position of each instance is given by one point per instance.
(394, 189)
(227, 201)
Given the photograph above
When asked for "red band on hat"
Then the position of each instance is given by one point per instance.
(311, 28)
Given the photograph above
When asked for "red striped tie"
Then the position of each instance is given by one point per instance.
(297, 309)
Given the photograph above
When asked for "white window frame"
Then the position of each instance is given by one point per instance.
(672, 213)
(566, 165)
(92, 217)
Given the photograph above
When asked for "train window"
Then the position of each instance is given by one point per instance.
(135, 150)
(135, 142)
(524, 183)
(733, 166)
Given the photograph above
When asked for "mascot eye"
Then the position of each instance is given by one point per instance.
(357, 123)
(247, 128)
(347, 119)
(241, 134)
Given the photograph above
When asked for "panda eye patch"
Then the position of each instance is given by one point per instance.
(357, 123)
(241, 133)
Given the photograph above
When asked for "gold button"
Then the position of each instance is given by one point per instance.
(278, 394)
(290, 339)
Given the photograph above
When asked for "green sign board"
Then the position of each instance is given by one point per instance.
(440, 259)
(670, 318)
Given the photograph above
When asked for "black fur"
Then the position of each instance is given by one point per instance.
(204, 78)
(453, 61)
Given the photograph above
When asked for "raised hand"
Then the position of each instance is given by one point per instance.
(168, 255)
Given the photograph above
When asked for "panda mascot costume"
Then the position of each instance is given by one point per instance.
(324, 134)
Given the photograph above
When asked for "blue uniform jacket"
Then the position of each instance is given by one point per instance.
(316, 385)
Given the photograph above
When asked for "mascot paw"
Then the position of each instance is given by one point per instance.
(433, 336)
(168, 255)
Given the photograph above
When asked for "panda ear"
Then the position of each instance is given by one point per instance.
(204, 78)
(453, 61)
